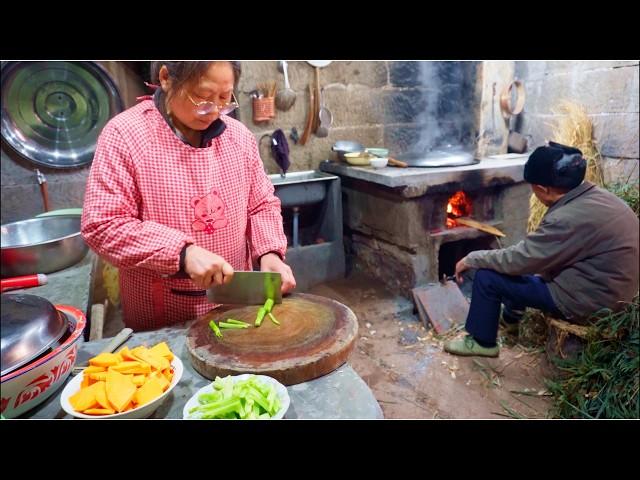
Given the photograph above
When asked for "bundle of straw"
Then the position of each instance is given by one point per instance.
(573, 128)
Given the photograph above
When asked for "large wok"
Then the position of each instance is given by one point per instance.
(448, 156)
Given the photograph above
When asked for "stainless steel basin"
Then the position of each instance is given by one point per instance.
(301, 188)
(41, 245)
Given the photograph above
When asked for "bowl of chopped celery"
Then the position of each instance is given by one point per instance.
(239, 397)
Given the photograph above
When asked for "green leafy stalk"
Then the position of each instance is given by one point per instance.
(215, 329)
(268, 305)
(232, 325)
(261, 313)
(273, 319)
(237, 322)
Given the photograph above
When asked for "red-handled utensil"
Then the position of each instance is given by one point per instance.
(25, 281)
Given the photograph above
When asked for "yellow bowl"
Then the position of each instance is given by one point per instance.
(359, 159)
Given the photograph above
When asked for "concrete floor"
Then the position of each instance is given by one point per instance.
(410, 375)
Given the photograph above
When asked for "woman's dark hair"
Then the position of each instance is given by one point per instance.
(185, 72)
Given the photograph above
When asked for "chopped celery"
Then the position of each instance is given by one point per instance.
(261, 313)
(237, 322)
(243, 399)
(273, 319)
(270, 399)
(232, 325)
(210, 397)
(268, 305)
(215, 329)
(224, 409)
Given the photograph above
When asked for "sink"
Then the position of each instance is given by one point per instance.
(297, 189)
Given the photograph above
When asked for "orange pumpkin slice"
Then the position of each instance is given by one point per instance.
(162, 350)
(149, 391)
(99, 411)
(84, 399)
(105, 360)
(120, 390)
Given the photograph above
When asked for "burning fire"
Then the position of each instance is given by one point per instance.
(459, 205)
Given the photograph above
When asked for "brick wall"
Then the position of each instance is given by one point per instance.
(609, 92)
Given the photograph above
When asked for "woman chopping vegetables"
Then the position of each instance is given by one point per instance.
(177, 188)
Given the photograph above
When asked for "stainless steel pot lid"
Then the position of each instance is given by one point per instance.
(30, 326)
(53, 112)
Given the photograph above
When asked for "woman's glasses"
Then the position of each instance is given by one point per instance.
(207, 108)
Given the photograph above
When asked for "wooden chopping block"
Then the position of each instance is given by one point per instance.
(315, 336)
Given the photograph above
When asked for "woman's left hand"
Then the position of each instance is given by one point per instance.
(272, 263)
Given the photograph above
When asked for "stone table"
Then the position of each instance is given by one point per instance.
(342, 394)
(415, 182)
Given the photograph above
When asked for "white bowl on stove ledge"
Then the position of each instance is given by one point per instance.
(379, 162)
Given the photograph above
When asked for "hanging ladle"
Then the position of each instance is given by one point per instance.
(325, 116)
(286, 97)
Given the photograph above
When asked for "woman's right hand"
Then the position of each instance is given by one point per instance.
(206, 268)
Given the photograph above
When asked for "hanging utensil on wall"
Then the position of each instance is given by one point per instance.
(286, 97)
(317, 65)
(280, 151)
(43, 189)
(53, 112)
(516, 142)
(310, 116)
(325, 117)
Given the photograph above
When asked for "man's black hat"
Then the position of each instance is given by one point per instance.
(556, 165)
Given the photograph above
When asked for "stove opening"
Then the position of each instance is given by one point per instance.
(451, 252)
(458, 205)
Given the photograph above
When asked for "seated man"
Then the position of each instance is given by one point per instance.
(583, 257)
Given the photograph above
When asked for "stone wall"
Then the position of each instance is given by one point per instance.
(399, 105)
(390, 104)
(378, 103)
(609, 92)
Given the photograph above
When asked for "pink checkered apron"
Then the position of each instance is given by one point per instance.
(148, 194)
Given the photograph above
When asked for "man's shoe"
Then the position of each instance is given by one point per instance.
(468, 346)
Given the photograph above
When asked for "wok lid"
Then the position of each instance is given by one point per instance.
(30, 326)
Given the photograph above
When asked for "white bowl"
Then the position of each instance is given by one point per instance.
(281, 391)
(142, 411)
(379, 162)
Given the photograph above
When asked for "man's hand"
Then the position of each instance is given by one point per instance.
(272, 263)
(461, 266)
(206, 268)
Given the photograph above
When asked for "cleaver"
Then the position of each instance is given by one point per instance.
(248, 288)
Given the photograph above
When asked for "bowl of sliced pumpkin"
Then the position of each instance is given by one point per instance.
(130, 383)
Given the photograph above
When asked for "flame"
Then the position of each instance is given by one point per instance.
(459, 205)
